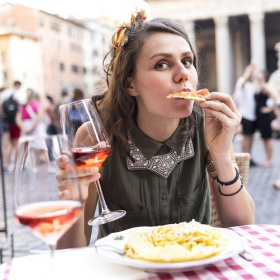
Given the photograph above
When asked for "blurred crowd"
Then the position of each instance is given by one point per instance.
(27, 113)
(257, 96)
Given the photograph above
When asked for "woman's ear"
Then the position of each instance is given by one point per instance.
(130, 87)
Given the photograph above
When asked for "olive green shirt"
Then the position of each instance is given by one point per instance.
(149, 199)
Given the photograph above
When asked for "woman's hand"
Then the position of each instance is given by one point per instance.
(221, 121)
(66, 174)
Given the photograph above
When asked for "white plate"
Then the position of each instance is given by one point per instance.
(235, 246)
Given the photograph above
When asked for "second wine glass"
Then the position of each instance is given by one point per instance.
(90, 144)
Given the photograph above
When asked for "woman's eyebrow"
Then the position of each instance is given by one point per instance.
(168, 55)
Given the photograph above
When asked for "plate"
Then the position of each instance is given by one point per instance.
(236, 245)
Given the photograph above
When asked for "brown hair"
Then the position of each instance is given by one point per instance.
(116, 107)
(78, 94)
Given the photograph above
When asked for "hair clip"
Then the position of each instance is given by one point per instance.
(119, 38)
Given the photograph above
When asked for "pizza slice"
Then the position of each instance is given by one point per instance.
(193, 95)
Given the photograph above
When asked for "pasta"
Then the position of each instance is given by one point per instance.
(176, 243)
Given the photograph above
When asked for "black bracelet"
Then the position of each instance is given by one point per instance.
(230, 182)
(231, 194)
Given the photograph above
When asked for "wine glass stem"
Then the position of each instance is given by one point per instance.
(52, 247)
(104, 207)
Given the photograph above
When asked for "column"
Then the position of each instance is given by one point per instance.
(277, 48)
(257, 37)
(223, 55)
(190, 29)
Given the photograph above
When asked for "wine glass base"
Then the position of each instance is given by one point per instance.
(107, 218)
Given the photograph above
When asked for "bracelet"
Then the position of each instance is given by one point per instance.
(230, 182)
(231, 194)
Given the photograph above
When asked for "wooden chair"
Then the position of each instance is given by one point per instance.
(243, 162)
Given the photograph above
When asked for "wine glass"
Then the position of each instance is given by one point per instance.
(90, 146)
(36, 203)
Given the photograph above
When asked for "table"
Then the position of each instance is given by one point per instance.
(264, 243)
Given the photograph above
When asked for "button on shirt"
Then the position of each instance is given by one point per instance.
(149, 199)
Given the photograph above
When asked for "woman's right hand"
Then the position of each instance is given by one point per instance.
(65, 175)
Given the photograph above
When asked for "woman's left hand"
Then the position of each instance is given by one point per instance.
(221, 121)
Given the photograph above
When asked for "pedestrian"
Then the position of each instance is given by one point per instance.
(265, 104)
(150, 60)
(30, 120)
(244, 96)
(50, 109)
(65, 98)
(5, 134)
(10, 99)
(78, 94)
(30, 116)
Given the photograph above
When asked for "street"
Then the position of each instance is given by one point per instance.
(266, 198)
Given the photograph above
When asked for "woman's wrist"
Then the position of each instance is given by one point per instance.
(224, 167)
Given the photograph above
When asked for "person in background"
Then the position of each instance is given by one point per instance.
(275, 125)
(150, 60)
(14, 131)
(52, 127)
(244, 96)
(5, 134)
(78, 94)
(65, 98)
(30, 117)
(265, 104)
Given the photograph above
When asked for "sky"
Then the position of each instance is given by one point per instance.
(117, 9)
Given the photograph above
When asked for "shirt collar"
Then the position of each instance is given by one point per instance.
(149, 147)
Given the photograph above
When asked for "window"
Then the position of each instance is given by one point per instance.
(93, 36)
(41, 22)
(74, 69)
(72, 31)
(61, 66)
(55, 26)
(11, 21)
(5, 75)
(84, 70)
(3, 56)
(95, 53)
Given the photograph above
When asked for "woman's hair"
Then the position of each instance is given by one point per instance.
(116, 107)
(32, 96)
(78, 94)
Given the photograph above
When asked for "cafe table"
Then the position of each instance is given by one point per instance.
(84, 263)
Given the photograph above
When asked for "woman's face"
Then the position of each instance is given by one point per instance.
(164, 66)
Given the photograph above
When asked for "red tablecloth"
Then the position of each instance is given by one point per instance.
(264, 244)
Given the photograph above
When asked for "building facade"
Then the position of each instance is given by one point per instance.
(227, 35)
(48, 53)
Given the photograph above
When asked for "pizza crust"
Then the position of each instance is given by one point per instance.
(191, 95)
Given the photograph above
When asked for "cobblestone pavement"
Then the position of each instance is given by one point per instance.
(266, 198)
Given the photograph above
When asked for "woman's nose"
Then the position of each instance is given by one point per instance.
(181, 74)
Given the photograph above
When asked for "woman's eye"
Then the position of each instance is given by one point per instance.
(161, 65)
(187, 62)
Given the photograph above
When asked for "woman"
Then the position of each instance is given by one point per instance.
(151, 59)
(30, 120)
(265, 104)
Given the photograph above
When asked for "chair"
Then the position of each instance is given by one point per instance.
(243, 162)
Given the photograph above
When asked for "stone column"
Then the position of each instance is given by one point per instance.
(257, 37)
(223, 54)
(190, 29)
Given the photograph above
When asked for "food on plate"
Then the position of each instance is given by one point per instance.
(176, 243)
(194, 95)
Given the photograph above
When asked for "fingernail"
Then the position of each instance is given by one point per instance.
(94, 169)
(64, 194)
(208, 96)
(64, 158)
